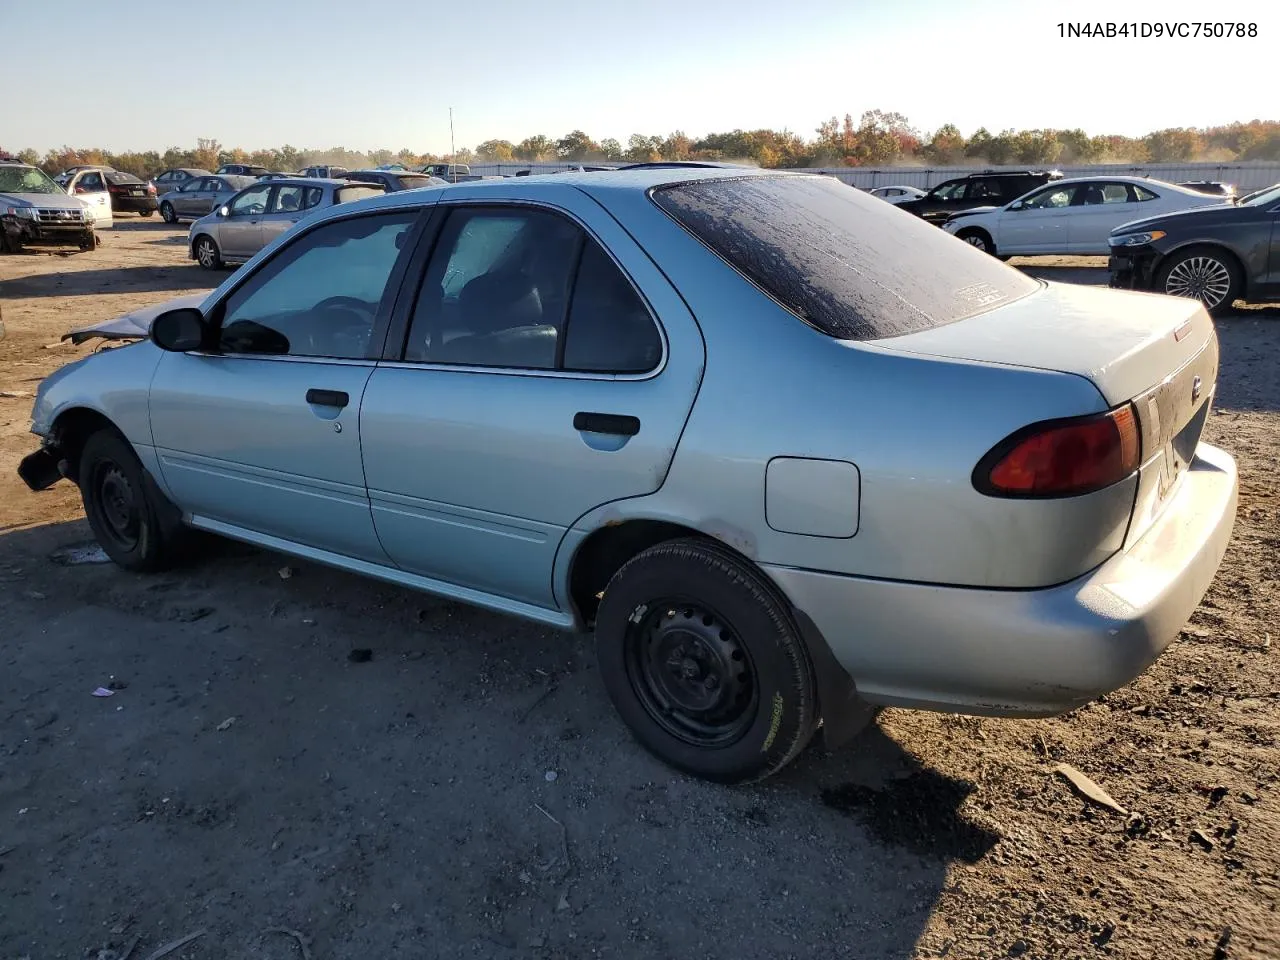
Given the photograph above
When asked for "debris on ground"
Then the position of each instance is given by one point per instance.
(173, 945)
(360, 655)
(79, 554)
(301, 940)
(1200, 837)
(104, 692)
(1088, 788)
(286, 573)
(226, 724)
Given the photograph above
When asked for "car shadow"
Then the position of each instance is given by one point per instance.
(463, 759)
(111, 280)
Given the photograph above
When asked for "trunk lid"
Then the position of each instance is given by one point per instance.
(1123, 342)
(1159, 353)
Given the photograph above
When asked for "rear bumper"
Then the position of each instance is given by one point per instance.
(134, 204)
(1029, 653)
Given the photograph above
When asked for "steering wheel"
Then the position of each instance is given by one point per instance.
(348, 317)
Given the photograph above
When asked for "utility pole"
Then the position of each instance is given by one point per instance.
(453, 149)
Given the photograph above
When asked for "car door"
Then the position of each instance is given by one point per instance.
(194, 198)
(91, 187)
(1036, 223)
(506, 414)
(259, 435)
(240, 231)
(1096, 208)
(288, 206)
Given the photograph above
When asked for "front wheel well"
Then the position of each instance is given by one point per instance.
(604, 552)
(72, 428)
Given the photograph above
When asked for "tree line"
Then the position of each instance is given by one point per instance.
(878, 138)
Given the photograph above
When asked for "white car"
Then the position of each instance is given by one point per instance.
(896, 194)
(89, 186)
(1073, 216)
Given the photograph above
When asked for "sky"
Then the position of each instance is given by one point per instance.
(333, 73)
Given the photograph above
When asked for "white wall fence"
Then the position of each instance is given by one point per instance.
(1245, 176)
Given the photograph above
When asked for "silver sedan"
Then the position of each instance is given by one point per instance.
(255, 216)
(198, 195)
(792, 452)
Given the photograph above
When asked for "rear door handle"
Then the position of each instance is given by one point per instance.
(328, 398)
(607, 423)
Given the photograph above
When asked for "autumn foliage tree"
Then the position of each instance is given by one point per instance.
(876, 138)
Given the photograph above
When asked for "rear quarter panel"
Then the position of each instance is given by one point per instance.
(914, 427)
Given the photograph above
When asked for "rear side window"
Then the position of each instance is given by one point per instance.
(849, 265)
(347, 194)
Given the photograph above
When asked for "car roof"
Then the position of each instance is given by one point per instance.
(626, 181)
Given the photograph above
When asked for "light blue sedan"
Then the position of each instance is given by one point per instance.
(793, 453)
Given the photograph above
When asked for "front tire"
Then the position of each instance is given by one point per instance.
(978, 238)
(207, 253)
(1202, 273)
(135, 524)
(167, 213)
(704, 663)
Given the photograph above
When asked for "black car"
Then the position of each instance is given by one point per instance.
(992, 189)
(1217, 254)
(129, 194)
(394, 180)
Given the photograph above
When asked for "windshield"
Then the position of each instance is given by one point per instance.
(15, 179)
(1262, 197)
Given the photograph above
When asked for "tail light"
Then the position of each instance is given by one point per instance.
(1062, 458)
(151, 187)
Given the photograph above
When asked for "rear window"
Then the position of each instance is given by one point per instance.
(347, 194)
(413, 183)
(848, 264)
(119, 178)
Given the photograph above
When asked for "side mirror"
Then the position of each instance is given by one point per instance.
(224, 211)
(180, 331)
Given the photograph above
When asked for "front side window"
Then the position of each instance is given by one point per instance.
(250, 203)
(320, 295)
(1051, 199)
(949, 191)
(91, 181)
(528, 289)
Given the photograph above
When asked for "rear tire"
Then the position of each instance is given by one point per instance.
(207, 253)
(132, 520)
(704, 663)
(167, 214)
(145, 213)
(9, 244)
(978, 238)
(1202, 273)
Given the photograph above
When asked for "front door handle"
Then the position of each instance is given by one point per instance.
(328, 398)
(607, 423)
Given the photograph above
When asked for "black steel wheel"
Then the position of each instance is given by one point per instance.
(692, 675)
(132, 520)
(704, 663)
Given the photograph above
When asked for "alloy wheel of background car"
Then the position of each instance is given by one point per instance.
(1203, 275)
(166, 211)
(703, 661)
(207, 253)
(976, 238)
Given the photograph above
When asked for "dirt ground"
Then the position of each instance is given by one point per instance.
(468, 792)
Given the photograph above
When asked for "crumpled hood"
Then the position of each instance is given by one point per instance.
(135, 325)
